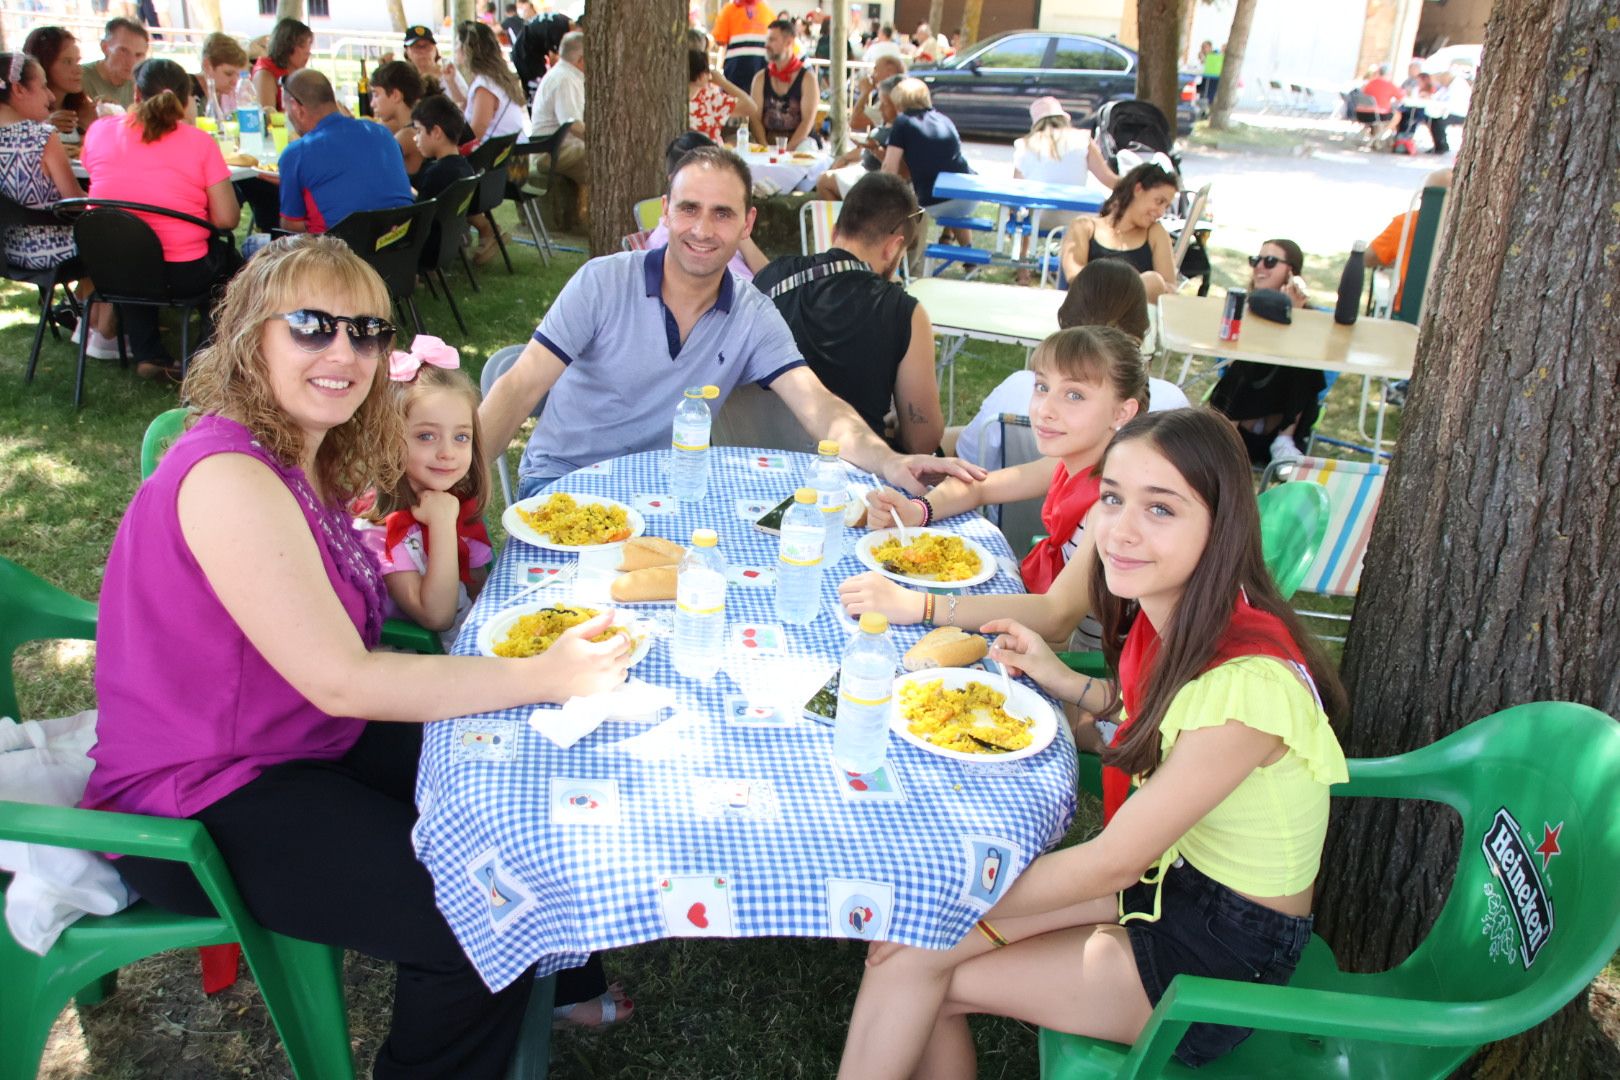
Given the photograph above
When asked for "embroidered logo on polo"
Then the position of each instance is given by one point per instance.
(1525, 898)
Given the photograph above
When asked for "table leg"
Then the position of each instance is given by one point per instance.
(952, 346)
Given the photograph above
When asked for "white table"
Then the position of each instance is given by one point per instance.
(238, 173)
(982, 311)
(785, 171)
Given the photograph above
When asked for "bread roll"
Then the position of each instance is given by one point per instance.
(243, 160)
(946, 646)
(650, 583)
(645, 551)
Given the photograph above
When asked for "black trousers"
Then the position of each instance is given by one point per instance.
(322, 851)
(140, 322)
(1437, 131)
(263, 198)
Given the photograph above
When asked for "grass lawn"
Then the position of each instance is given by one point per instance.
(756, 1008)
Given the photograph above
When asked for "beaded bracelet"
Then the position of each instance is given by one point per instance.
(927, 508)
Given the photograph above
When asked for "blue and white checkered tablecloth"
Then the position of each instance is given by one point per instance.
(697, 824)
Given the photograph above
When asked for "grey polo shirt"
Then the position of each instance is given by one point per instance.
(627, 366)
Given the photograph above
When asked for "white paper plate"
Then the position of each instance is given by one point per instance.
(522, 530)
(1025, 702)
(497, 627)
(987, 561)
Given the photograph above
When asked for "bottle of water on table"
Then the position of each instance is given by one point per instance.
(830, 477)
(249, 117)
(865, 697)
(799, 560)
(689, 445)
(700, 608)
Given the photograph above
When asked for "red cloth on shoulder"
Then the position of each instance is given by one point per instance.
(1068, 501)
(469, 525)
(1251, 632)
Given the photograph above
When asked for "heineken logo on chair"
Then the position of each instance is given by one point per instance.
(1526, 898)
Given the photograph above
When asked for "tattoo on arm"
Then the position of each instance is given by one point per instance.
(914, 414)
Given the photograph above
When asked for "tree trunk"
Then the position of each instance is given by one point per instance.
(936, 17)
(635, 93)
(970, 22)
(1158, 51)
(290, 9)
(1237, 43)
(207, 15)
(396, 14)
(1491, 573)
(463, 11)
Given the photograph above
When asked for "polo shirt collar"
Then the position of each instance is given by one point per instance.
(652, 269)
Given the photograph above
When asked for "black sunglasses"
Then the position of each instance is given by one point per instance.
(1270, 261)
(314, 331)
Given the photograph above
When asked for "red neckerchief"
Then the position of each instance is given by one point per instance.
(1251, 632)
(786, 74)
(1068, 501)
(469, 526)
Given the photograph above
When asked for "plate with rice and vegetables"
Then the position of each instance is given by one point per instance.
(932, 558)
(531, 629)
(961, 713)
(564, 521)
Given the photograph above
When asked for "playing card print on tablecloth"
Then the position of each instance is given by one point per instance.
(882, 784)
(859, 909)
(501, 893)
(769, 463)
(751, 577)
(600, 468)
(535, 574)
(740, 712)
(758, 639)
(989, 859)
(739, 799)
(752, 509)
(485, 739)
(696, 905)
(584, 801)
(656, 503)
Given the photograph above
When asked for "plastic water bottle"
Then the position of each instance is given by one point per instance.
(1350, 283)
(249, 117)
(830, 478)
(689, 445)
(799, 560)
(700, 608)
(865, 697)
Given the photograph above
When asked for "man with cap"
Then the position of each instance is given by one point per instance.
(423, 52)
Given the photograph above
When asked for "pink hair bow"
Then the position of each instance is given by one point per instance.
(425, 349)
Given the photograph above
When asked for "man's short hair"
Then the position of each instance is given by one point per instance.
(909, 94)
(309, 88)
(715, 157)
(572, 45)
(401, 77)
(121, 22)
(438, 111)
(784, 25)
(879, 205)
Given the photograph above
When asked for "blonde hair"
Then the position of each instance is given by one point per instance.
(911, 94)
(404, 395)
(220, 49)
(1047, 135)
(230, 376)
(1096, 354)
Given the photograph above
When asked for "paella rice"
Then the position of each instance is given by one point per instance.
(568, 521)
(970, 720)
(931, 556)
(534, 633)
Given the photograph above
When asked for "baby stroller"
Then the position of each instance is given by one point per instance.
(1132, 132)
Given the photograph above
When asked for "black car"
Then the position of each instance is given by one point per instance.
(988, 88)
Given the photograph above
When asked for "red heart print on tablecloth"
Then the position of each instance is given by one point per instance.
(698, 915)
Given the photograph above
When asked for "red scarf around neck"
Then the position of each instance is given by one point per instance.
(1068, 501)
(469, 526)
(1251, 632)
(787, 73)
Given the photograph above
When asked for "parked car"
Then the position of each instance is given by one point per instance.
(986, 90)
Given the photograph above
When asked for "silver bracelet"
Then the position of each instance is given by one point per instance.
(950, 610)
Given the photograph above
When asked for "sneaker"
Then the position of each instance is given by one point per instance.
(102, 348)
(1283, 446)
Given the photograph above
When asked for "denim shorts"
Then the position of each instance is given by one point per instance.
(1204, 928)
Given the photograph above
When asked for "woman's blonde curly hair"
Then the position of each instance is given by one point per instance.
(229, 377)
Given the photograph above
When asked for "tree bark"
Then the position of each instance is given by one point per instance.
(463, 11)
(1491, 572)
(1158, 53)
(936, 16)
(971, 11)
(290, 9)
(207, 15)
(1237, 44)
(635, 103)
(396, 14)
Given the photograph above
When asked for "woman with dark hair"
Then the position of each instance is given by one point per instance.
(711, 100)
(1225, 708)
(57, 51)
(289, 49)
(155, 155)
(1274, 407)
(1127, 228)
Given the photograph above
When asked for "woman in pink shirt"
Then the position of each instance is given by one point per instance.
(155, 156)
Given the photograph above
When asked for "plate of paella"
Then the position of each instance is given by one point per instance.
(565, 521)
(961, 713)
(932, 558)
(531, 629)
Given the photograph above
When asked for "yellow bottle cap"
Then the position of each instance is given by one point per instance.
(874, 622)
(827, 446)
(805, 495)
(711, 392)
(704, 538)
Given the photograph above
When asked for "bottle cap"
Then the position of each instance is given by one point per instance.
(805, 495)
(827, 446)
(1359, 245)
(711, 392)
(704, 538)
(874, 622)
(694, 392)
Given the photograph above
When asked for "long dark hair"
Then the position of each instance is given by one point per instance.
(285, 36)
(1205, 449)
(165, 88)
(1107, 292)
(45, 44)
(1147, 176)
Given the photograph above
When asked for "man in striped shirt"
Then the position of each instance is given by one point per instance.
(740, 30)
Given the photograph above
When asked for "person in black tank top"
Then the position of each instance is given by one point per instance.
(786, 93)
(1127, 228)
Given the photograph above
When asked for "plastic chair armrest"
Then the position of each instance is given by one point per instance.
(174, 839)
(1086, 663)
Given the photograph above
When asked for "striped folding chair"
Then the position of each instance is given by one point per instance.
(636, 241)
(1354, 487)
(816, 220)
(647, 212)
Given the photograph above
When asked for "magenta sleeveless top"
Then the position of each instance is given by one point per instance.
(190, 711)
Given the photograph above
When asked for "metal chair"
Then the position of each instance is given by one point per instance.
(496, 366)
(491, 159)
(15, 215)
(443, 244)
(527, 199)
(391, 241)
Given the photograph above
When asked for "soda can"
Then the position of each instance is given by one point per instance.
(1232, 317)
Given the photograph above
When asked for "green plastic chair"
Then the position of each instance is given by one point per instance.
(300, 980)
(161, 433)
(1538, 785)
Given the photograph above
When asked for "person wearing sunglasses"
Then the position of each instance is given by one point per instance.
(235, 672)
(1274, 407)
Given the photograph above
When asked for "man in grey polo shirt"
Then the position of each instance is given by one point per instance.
(629, 332)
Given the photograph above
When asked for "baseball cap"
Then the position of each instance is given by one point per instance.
(414, 34)
(1041, 108)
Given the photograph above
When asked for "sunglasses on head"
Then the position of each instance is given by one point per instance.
(1268, 261)
(314, 331)
(908, 219)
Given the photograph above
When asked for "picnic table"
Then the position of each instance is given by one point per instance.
(983, 311)
(787, 171)
(724, 816)
(1010, 193)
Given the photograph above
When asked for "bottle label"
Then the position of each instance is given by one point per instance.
(833, 502)
(690, 437)
(802, 545)
(249, 120)
(865, 690)
(700, 592)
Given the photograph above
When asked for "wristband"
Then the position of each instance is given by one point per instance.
(990, 932)
(950, 610)
(927, 509)
(928, 609)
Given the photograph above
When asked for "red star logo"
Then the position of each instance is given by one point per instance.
(1549, 843)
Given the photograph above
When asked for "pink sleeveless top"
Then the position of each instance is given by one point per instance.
(190, 711)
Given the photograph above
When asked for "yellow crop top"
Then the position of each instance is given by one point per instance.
(1265, 838)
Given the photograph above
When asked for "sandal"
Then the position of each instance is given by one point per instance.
(614, 1008)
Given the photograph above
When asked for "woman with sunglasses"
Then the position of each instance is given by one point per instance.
(1273, 407)
(235, 671)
